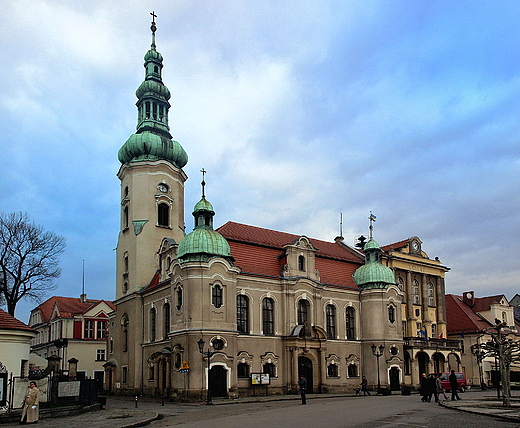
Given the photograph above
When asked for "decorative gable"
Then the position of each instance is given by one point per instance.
(300, 259)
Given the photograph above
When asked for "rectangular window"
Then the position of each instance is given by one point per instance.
(101, 329)
(89, 329)
(100, 355)
(125, 375)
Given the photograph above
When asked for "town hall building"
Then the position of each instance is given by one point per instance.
(225, 311)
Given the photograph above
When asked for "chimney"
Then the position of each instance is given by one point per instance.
(83, 298)
(468, 298)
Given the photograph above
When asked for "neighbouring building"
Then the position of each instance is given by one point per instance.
(15, 342)
(227, 309)
(73, 329)
(470, 319)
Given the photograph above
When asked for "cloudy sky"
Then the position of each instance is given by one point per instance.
(298, 110)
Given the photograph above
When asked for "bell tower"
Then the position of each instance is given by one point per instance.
(152, 182)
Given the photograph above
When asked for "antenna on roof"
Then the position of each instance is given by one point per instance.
(83, 296)
(341, 224)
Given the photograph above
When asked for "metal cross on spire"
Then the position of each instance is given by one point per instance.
(203, 182)
(153, 27)
(372, 219)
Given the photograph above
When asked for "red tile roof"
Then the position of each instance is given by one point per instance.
(68, 306)
(260, 251)
(484, 303)
(462, 318)
(8, 322)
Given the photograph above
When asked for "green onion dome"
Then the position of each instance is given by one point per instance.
(147, 146)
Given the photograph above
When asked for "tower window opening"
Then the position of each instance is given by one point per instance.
(163, 215)
(125, 218)
(161, 113)
(147, 108)
(155, 69)
(301, 263)
(216, 296)
(154, 111)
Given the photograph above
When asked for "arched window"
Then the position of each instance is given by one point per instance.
(332, 370)
(350, 323)
(163, 214)
(400, 283)
(125, 218)
(303, 311)
(243, 370)
(153, 319)
(352, 370)
(166, 318)
(391, 313)
(124, 325)
(301, 263)
(268, 316)
(270, 369)
(242, 314)
(331, 321)
(216, 295)
(431, 294)
(415, 292)
(178, 292)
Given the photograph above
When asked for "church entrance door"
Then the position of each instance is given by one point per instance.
(218, 381)
(394, 379)
(305, 370)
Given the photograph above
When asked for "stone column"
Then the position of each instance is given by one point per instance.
(294, 381)
(424, 297)
(410, 325)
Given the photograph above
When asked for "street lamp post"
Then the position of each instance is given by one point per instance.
(377, 351)
(479, 355)
(206, 354)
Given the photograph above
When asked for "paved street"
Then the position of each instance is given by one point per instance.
(369, 412)
(330, 412)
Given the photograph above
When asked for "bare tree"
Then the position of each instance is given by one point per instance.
(504, 349)
(28, 260)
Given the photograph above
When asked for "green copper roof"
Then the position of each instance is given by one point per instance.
(147, 146)
(203, 205)
(204, 242)
(373, 274)
(201, 244)
(152, 140)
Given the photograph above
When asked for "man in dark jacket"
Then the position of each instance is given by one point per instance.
(454, 384)
(303, 388)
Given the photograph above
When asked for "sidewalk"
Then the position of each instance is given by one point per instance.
(121, 412)
(487, 405)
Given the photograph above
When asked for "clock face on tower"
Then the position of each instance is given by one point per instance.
(162, 187)
(416, 246)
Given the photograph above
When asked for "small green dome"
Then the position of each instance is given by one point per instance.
(203, 205)
(153, 55)
(147, 146)
(371, 245)
(202, 244)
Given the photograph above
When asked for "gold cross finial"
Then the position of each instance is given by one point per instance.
(203, 182)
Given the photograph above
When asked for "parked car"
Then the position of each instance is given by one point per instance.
(461, 380)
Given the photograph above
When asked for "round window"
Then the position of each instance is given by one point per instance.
(218, 344)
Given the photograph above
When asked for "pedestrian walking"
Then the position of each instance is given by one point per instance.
(440, 388)
(424, 389)
(30, 412)
(364, 386)
(454, 384)
(303, 389)
(432, 388)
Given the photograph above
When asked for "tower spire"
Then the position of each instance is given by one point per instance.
(153, 28)
(372, 219)
(203, 184)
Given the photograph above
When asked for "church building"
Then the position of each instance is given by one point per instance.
(239, 309)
